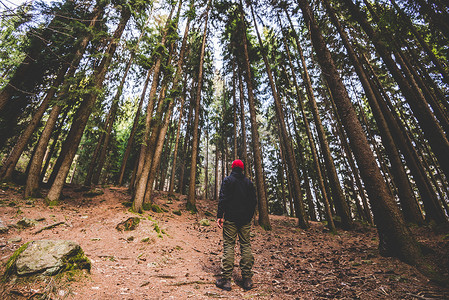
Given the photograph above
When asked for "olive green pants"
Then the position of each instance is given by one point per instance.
(230, 232)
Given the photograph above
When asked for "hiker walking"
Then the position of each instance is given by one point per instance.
(236, 207)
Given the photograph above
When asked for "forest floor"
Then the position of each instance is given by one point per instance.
(183, 260)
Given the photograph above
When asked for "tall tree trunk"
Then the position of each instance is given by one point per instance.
(110, 122)
(337, 193)
(242, 122)
(133, 129)
(417, 169)
(281, 182)
(285, 138)
(310, 204)
(234, 107)
(320, 178)
(142, 176)
(216, 172)
(423, 43)
(395, 237)
(206, 167)
(409, 204)
(175, 152)
(32, 185)
(264, 220)
(355, 171)
(80, 120)
(50, 153)
(410, 90)
(10, 164)
(160, 121)
(186, 147)
(191, 202)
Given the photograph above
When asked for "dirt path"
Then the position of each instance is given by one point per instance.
(182, 261)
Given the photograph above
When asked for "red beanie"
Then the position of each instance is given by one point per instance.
(237, 163)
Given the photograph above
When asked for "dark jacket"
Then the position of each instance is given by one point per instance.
(237, 200)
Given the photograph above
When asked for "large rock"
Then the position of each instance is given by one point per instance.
(48, 257)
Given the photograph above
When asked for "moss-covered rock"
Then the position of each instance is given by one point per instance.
(46, 257)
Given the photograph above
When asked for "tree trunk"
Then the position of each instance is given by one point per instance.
(175, 152)
(206, 167)
(110, 121)
(423, 43)
(264, 220)
(216, 173)
(33, 181)
(410, 90)
(395, 238)
(80, 120)
(191, 203)
(310, 204)
(142, 175)
(243, 124)
(407, 199)
(423, 184)
(285, 138)
(49, 154)
(9, 165)
(133, 130)
(312, 145)
(354, 170)
(234, 107)
(337, 193)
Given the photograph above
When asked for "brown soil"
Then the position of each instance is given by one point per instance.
(184, 260)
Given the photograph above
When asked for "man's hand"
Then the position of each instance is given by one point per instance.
(220, 222)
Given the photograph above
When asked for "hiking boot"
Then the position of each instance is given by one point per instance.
(247, 284)
(224, 284)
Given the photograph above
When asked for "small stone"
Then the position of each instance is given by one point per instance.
(15, 239)
(205, 222)
(130, 238)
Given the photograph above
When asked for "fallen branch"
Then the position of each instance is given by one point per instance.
(190, 282)
(418, 296)
(49, 227)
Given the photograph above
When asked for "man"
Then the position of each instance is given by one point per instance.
(236, 207)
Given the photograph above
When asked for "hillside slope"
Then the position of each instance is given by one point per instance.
(183, 259)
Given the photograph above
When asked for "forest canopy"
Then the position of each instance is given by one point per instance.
(338, 109)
